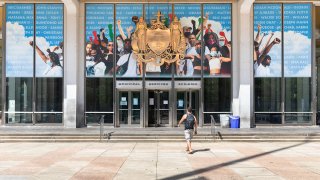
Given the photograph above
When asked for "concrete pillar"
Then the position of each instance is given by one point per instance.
(71, 64)
(242, 62)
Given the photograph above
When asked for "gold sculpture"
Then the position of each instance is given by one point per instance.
(159, 44)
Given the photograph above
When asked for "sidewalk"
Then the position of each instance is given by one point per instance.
(159, 161)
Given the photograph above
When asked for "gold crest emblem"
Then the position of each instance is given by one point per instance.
(158, 44)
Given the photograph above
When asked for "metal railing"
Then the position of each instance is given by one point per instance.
(213, 128)
(101, 127)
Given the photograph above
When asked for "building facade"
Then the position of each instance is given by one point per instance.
(71, 63)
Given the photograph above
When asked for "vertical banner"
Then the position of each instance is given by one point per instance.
(49, 40)
(127, 16)
(297, 40)
(190, 17)
(99, 40)
(151, 11)
(19, 32)
(217, 40)
(267, 40)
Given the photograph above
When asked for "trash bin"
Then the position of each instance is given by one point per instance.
(224, 120)
(234, 121)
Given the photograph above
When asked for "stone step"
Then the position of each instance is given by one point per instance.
(148, 140)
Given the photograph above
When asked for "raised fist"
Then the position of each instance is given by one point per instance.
(276, 41)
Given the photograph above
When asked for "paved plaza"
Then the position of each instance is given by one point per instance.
(126, 161)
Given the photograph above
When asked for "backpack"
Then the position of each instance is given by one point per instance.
(189, 122)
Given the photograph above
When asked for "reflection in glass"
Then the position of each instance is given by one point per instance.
(92, 118)
(49, 94)
(270, 118)
(293, 118)
(164, 116)
(12, 118)
(207, 118)
(298, 94)
(123, 116)
(19, 94)
(217, 93)
(268, 94)
(49, 118)
(135, 118)
(99, 94)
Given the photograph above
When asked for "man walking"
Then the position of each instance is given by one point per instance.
(190, 127)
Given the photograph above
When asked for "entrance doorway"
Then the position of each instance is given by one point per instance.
(129, 108)
(185, 99)
(158, 108)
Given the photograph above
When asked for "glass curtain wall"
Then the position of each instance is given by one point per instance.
(282, 63)
(207, 28)
(100, 58)
(317, 45)
(1, 41)
(217, 61)
(34, 63)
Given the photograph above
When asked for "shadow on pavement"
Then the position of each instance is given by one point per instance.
(200, 150)
(210, 168)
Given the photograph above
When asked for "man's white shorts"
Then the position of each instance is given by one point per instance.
(188, 134)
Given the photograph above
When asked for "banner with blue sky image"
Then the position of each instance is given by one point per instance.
(217, 27)
(49, 38)
(187, 13)
(297, 40)
(100, 32)
(126, 17)
(19, 32)
(267, 17)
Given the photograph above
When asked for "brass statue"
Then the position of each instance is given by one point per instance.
(176, 32)
(140, 34)
(158, 43)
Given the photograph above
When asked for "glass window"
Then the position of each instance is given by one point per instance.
(268, 94)
(190, 17)
(298, 94)
(267, 51)
(217, 58)
(94, 118)
(217, 93)
(151, 10)
(297, 40)
(295, 118)
(49, 94)
(19, 38)
(99, 40)
(99, 95)
(1, 17)
(49, 40)
(268, 118)
(128, 16)
(317, 37)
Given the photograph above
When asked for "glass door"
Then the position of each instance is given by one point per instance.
(129, 107)
(186, 99)
(158, 108)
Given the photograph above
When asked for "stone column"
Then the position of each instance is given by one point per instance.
(242, 51)
(71, 63)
